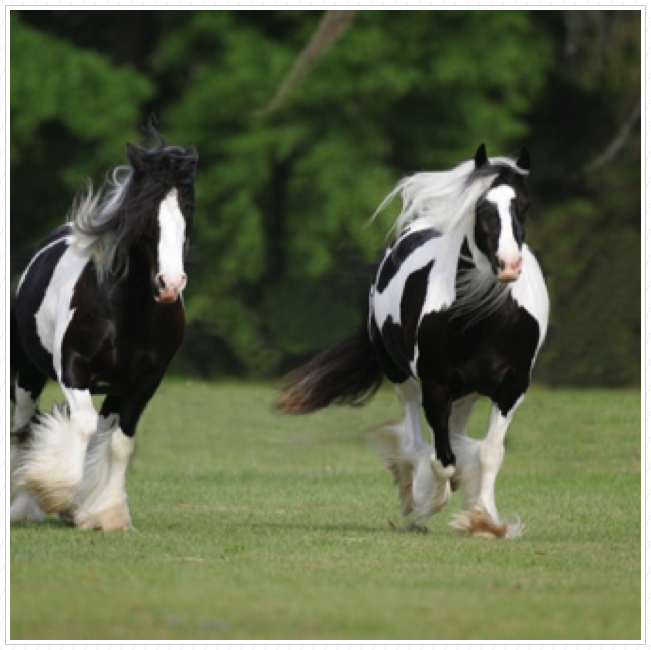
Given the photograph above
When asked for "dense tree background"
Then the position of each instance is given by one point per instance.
(282, 253)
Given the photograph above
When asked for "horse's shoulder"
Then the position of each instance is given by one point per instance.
(403, 252)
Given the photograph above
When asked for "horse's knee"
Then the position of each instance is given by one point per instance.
(491, 454)
(122, 446)
(85, 422)
(83, 416)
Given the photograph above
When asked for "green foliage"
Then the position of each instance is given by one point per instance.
(71, 112)
(282, 251)
(53, 80)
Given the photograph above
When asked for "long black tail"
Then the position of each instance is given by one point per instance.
(345, 373)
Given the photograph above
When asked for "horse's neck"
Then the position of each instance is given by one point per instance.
(134, 281)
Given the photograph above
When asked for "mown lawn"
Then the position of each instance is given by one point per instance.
(252, 525)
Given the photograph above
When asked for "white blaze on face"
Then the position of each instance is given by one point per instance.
(171, 241)
(508, 251)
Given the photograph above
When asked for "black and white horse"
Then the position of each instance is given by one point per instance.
(458, 310)
(99, 310)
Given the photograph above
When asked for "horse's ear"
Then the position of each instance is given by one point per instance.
(136, 158)
(524, 160)
(481, 158)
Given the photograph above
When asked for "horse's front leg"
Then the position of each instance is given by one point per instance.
(102, 502)
(53, 465)
(437, 404)
(482, 517)
(432, 471)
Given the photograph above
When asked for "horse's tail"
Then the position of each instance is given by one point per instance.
(345, 373)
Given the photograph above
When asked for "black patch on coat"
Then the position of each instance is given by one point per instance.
(400, 252)
(29, 299)
(400, 339)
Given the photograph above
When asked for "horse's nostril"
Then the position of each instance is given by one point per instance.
(160, 281)
(501, 264)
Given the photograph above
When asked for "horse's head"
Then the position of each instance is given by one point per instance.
(163, 195)
(500, 215)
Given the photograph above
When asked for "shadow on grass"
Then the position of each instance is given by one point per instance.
(45, 524)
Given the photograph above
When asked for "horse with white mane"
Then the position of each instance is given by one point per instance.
(458, 310)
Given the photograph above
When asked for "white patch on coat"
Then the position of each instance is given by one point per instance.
(530, 292)
(172, 237)
(387, 302)
(68, 239)
(54, 314)
(501, 197)
(440, 282)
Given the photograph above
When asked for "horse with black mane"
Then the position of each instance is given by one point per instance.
(99, 310)
(458, 310)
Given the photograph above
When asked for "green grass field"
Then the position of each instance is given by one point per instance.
(254, 526)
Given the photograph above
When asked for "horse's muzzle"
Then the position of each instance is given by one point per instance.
(169, 289)
(509, 269)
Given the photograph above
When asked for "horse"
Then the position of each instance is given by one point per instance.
(458, 310)
(99, 310)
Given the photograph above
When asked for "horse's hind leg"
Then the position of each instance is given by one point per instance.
(410, 399)
(398, 444)
(28, 386)
(466, 449)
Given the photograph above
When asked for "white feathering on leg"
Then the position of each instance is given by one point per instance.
(53, 464)
(386, 441)
(23, 505)
(422, 490)
(105, 506)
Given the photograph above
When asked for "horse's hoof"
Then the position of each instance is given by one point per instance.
(478, 523)
(67, 516)
(113, 518)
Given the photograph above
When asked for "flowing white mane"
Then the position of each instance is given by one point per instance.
(93, 219)
(443, 200)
